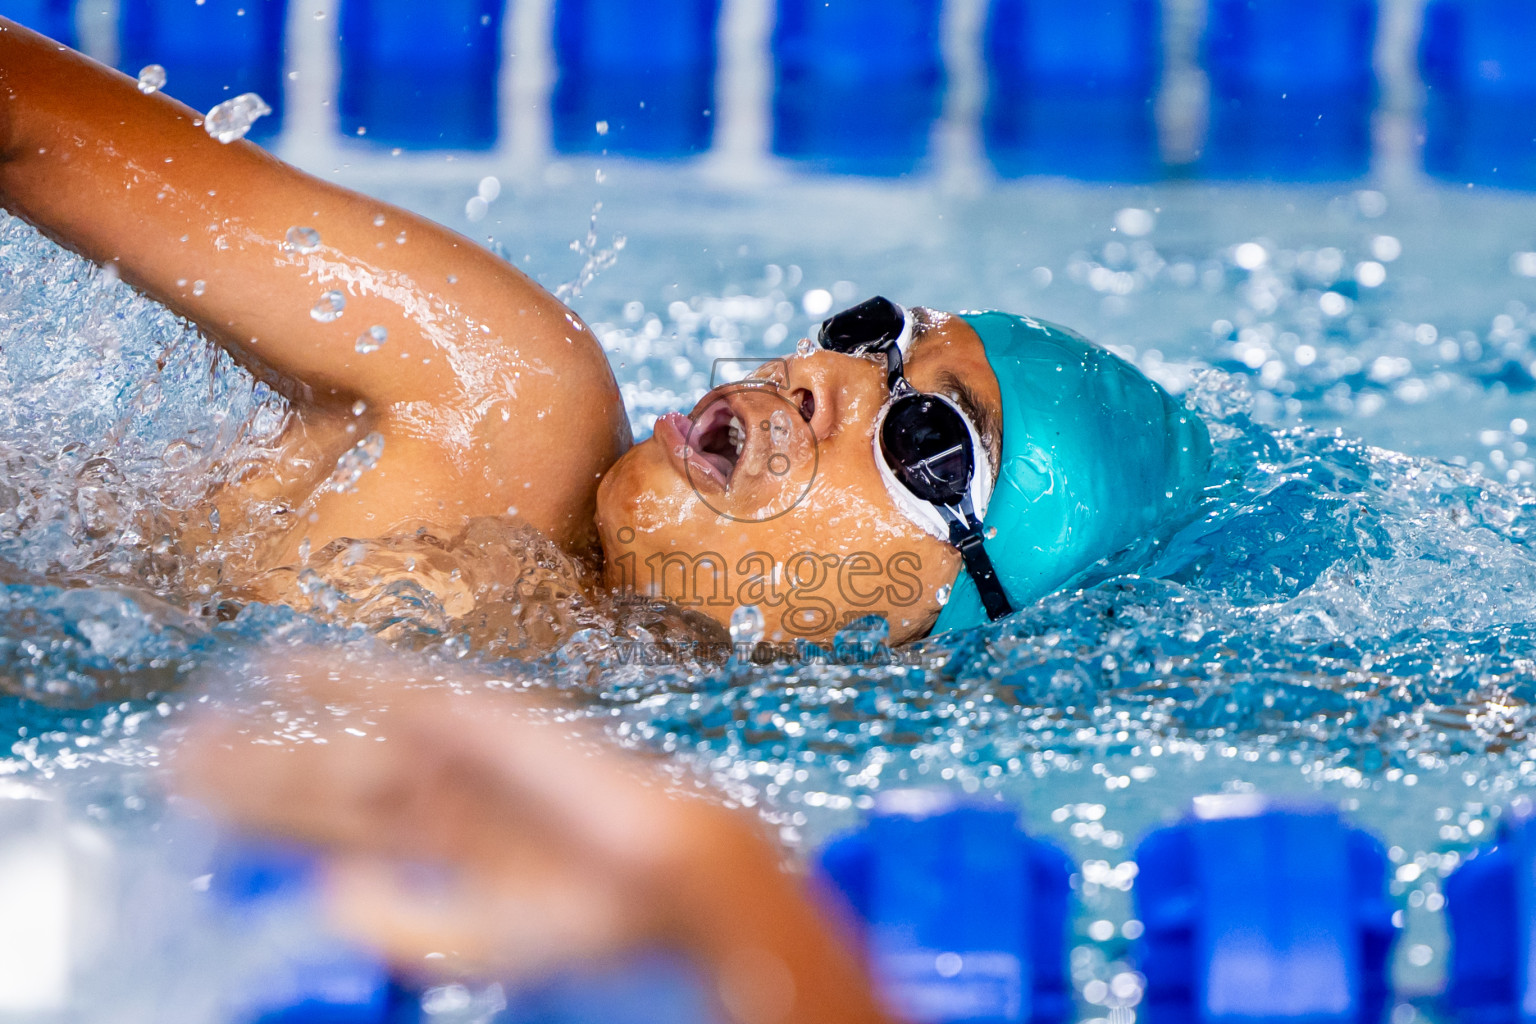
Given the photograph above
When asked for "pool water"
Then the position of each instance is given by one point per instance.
(1350, 618)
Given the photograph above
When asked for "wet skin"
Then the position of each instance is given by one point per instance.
(491, 398)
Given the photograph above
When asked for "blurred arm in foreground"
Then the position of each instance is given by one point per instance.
(545, 846)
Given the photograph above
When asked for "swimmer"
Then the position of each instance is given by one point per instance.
(938, 470)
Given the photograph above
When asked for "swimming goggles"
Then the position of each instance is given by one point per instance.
(927, 449)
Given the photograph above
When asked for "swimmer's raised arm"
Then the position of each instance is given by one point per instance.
(479, 367)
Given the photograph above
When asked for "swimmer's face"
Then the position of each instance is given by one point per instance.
(769, 494)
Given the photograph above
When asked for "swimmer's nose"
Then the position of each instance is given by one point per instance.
(831, 389)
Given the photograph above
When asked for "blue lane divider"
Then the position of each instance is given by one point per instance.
(962, 915)
(1072, 88)
(858, 83)
(53, 18)
(1251, 912)
(211, 51)
(1292, 88)
(421, 75)
(1490, 905)
(1259, 913)
(635, 78)
(1480, 114)
(331, 982)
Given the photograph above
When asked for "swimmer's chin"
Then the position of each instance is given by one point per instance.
(632, 492)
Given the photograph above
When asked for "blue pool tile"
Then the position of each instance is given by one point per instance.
(1071, 88)
(421, 75)
(211, 51)
(857, 83)
(1480, 79)
(53, 18)
(963, 917)
(637, 79)
(1292, 88)
(1490, 906)
(1260, 913)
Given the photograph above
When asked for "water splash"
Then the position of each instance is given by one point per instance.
(117, 421)
(595, 259)
(356, 461)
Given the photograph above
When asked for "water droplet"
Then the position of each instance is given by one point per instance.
(489, 188)
(151, 79)
(378, 220)
(400, 238)
(198, 287)
(942, 594)
(602, 176)
(302, 240)
(991, 533)
(359, 407)
(805, 346)
(602, 127)
(475, 209)
(778, 431)
(359, 460)
(329, 307)
(231, 119)
(372, 339)
(747, 624)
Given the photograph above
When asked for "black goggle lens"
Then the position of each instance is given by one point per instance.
(926, 444)
(872, 324)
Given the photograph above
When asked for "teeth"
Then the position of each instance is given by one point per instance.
(736, 434)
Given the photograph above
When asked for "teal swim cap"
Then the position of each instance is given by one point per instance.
(1095, 457)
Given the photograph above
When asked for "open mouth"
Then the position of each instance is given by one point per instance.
(718, 438)
(709, 442)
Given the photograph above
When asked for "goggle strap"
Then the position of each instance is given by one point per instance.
(965, 535)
